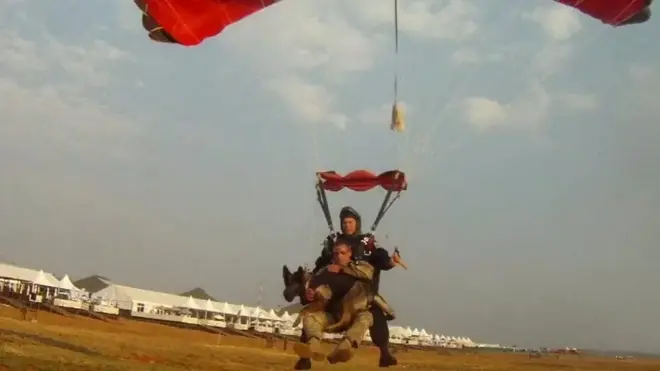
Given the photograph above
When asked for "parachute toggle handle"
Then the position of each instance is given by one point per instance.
(398, 123)
(401, 262)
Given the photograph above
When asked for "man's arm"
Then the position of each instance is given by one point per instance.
(381, 259)
(320, 279)
(362, 271)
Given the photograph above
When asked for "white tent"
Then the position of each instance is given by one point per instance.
(260, 314)
(66, 284)
(273, 316)
(190, 303)
(208, 306)
(244, 311)
(24, 274)
(397, 331)
(286, 317)
(41, 280)
(226, 308)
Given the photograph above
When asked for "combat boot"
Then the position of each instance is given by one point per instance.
(312, 349)
(303, 364)
(387, 360)
(342, 353)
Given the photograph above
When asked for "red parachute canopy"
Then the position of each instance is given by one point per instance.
(363, 180)
(189, 22)
(613, 12)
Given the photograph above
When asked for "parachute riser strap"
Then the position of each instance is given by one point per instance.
(322, 198)
(387, 203)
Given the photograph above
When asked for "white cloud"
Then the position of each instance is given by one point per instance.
(83, 65)
(559, 22)
(641, 96)
(19, 54)
(129, 16)
(295, 40)
(642, 73)
(456, 20)
(529, 111)
(309, 49)
(88, 65)
(551, 59)
(465, 56)
(46, 102)
(424, 19)
(470, 56)
(583, 102)
(309, 102)
(484, 113)
(47, 116)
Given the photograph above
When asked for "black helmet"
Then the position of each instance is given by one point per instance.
(349, 212)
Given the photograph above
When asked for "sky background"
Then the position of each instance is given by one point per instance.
(533, 208)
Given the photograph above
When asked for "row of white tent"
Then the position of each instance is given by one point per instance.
(170, 307)
(37, 277)
(141, 303)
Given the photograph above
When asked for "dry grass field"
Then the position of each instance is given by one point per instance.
(70, 344)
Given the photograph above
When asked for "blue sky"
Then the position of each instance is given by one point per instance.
(531, 148)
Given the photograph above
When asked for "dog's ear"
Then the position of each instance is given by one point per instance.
(286, 274)
(301, 271)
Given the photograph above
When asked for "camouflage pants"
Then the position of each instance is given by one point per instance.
(315, 323)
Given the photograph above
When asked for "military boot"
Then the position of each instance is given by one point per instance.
(387, 360)
(342, 353)
(303, 364)
(312, 349)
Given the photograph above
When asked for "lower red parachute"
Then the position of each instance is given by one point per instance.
(189, 22)
(613, 12)
(363, 180)
(393, 182)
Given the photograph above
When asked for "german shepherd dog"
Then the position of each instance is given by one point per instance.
(356, 300)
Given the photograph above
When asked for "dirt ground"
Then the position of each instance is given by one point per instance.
(54, 342)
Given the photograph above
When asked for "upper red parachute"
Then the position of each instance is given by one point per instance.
(363, 180)
(613, 12)
(189, 22)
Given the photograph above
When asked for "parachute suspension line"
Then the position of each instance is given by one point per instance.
(387, 203)
(396, 51)
(322, 198)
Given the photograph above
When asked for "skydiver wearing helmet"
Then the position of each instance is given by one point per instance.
(365, 248)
